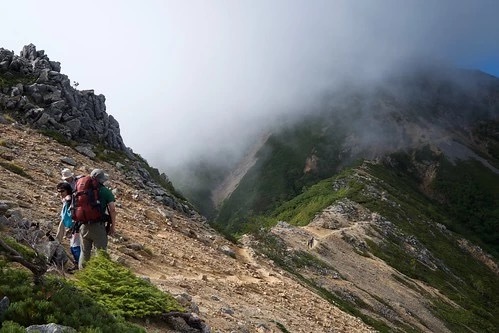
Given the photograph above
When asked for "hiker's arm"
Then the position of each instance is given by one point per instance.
(112, 213)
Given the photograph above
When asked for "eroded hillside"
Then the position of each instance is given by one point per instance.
(382, 248)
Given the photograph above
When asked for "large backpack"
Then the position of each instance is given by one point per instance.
(86, 206)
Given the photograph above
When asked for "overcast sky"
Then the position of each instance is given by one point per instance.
(184, 77)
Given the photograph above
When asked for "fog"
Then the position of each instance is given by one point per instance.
(192, 79)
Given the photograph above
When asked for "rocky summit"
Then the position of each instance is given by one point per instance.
(34, 88)
(387, 244)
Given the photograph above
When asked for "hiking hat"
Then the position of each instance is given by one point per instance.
(66, 173)
(99, 175)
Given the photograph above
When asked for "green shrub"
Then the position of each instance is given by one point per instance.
(105, 154)
(8, 115)
(15, 169)
(27, 252)
(12, 79)
(281, 327)
(57, 136)
(123, 294)
(57, 301)
(12, 327)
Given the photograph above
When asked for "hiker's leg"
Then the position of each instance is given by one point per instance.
(76, 251)
(86, 245)
(100, 236)
(61, 230)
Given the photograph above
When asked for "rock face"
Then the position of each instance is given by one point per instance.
(36, 93)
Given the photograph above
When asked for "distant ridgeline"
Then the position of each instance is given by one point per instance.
(34, 92)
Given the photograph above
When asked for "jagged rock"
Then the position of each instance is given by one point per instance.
(4, 305)
(228, 251)
(14, 215)
(68, 160)
(283, 224)
(5, 205)
(3, 221)
(74, 125)
(50, 328)
(159, 191)
(227, 310)
(43, 120)
(29, 52)
(51, 86)
(135, 246)
(186, 301)
(86, 150)
(54, 252)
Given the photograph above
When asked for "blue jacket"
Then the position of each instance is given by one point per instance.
(66, 214)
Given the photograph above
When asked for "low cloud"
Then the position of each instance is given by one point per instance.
(191, 79)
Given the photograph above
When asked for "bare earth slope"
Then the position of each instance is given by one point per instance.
(228, 286)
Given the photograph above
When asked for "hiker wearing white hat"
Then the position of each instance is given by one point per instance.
(68, 176)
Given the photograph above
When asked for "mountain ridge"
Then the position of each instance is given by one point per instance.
(390, 244)
(228, 286)
(419, 155)
(380, 120)
(159, 235)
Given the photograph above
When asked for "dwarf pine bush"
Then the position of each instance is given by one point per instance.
(11, 327)
(123, 294)
(54, 301)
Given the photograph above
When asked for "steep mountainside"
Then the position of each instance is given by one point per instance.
(448, 109)
(231, 288)
(228, 286)
(396, 182)
(378, 212)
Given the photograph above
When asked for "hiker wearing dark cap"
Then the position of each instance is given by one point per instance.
(65, 191)
(94, 233)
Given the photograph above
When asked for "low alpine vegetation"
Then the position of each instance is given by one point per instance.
(103, 298)
(122, 293)
(53, 301)
(15, 169)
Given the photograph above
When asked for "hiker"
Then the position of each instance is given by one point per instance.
(94, 233)
(310, 243)
(65, 191)
(68, 176)
(75, 243)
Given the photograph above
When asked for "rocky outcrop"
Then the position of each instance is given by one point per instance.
(34, 91)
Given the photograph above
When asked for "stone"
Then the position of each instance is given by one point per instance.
(135, 246)
(86, 150)
(50, 328)
(228, 251)
(4, 305)
(68, 160)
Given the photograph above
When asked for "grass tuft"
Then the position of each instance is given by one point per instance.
(15, 169)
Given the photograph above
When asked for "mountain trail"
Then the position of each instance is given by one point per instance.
(348, 269)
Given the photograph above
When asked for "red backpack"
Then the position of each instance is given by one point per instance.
(86, 206)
